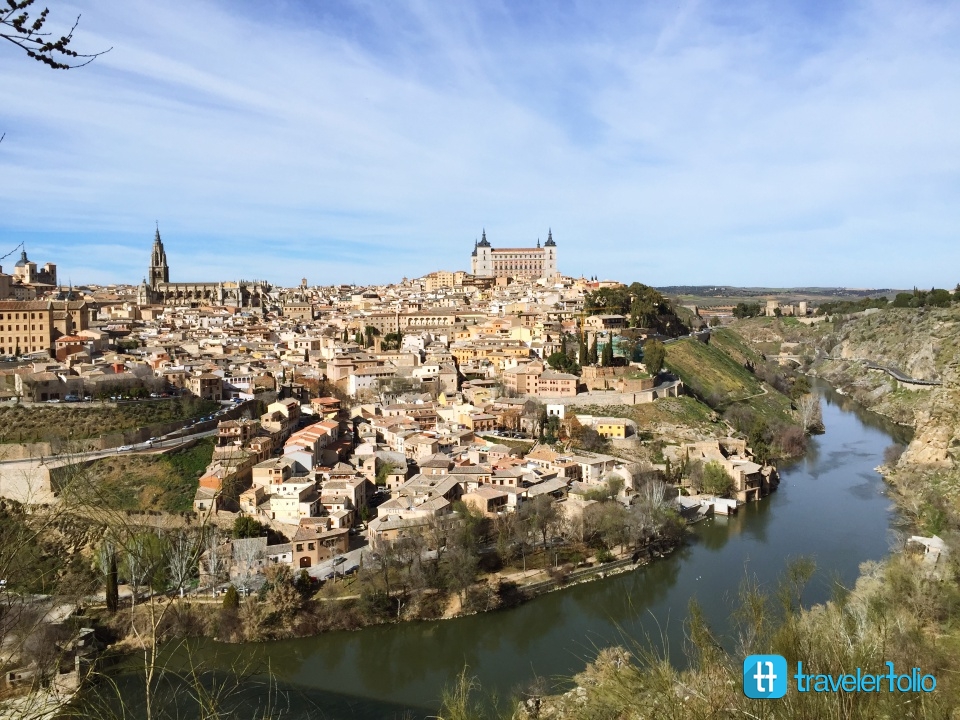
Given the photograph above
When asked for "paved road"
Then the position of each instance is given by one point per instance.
(350, 559)
(893, 372)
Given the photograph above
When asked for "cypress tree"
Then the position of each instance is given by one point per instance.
(594, 356)
(608, 354)
(113, 590)
(231, 599)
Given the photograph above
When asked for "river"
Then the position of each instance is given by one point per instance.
(831, 506)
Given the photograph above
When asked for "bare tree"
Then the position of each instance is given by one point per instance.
(811, 414)
(542, 515)
(214, 560)
(248, 556)
(182, 552)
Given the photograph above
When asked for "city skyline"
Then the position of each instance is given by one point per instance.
(765, 144)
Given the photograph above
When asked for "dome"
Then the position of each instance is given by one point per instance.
(23, 259)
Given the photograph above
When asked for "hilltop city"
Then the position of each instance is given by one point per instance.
(447, 444)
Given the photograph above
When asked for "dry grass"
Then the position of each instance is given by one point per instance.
(40, 423)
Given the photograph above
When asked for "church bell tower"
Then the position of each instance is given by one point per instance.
(159, 272)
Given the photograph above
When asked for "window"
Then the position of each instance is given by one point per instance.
(299, 547)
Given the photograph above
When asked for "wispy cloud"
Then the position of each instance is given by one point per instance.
(746, 143)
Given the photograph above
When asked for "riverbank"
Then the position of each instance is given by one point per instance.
(831, 504)
(900, 610)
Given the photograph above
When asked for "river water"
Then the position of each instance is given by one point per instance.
(831, 506)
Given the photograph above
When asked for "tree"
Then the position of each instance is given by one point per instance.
(583, 356)
(17, 28)
(144, 562)
(182, 552)
(811, 414)
(654, 353)
(542, 515)
(460, 569)
(606, 358)
(716, 481)
(594, 357)
(246, 527)
(231, 599)
(562, 362)
(108, 566)
(587, 438)
(214, 559)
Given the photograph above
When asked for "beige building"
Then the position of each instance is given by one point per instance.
(34, 326)
(538, 262)
(206, 386)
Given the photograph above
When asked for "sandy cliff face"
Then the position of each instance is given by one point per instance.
(937, 421)
(923, 344)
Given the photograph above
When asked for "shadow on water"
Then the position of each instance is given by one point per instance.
(830, 507)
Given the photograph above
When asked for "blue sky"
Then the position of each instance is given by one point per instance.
(752, 143)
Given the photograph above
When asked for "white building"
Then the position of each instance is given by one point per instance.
(538, 262)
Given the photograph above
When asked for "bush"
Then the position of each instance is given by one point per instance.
(231, 599)
(716, 481)
(892, 454)
(247, 527)
(604, 556)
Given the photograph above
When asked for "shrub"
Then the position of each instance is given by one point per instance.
(231, 599)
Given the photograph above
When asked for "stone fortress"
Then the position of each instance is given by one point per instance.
(156, 288)
(538, 262)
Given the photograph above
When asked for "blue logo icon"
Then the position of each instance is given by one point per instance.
(765, 677)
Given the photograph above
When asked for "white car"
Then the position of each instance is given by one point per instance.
(124, 448)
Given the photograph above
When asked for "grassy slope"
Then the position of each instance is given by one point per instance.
(37, 423)
(709, 372)
(152, 482)
(716, 372)
(685, 411)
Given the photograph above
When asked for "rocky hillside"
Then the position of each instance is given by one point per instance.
(921, 343)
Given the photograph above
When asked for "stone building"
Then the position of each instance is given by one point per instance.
(34, 326)
(538, 262)
(156, 288)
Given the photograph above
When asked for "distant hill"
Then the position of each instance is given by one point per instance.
(732, 291)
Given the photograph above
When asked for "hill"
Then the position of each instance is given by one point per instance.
(65, 422)
(166, 482)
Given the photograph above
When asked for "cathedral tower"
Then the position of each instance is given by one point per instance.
(159, 272)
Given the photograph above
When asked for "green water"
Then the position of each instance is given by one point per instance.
(830, 506)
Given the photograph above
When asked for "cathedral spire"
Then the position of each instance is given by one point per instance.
(159, 271)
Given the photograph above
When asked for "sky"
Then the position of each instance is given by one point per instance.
(779, 143)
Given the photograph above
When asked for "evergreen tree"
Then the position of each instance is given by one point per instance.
(594, 356)
(113, 591)
(582, 352)
(607, 359)
(231, 599)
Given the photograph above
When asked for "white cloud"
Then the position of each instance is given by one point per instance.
(704, 144)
